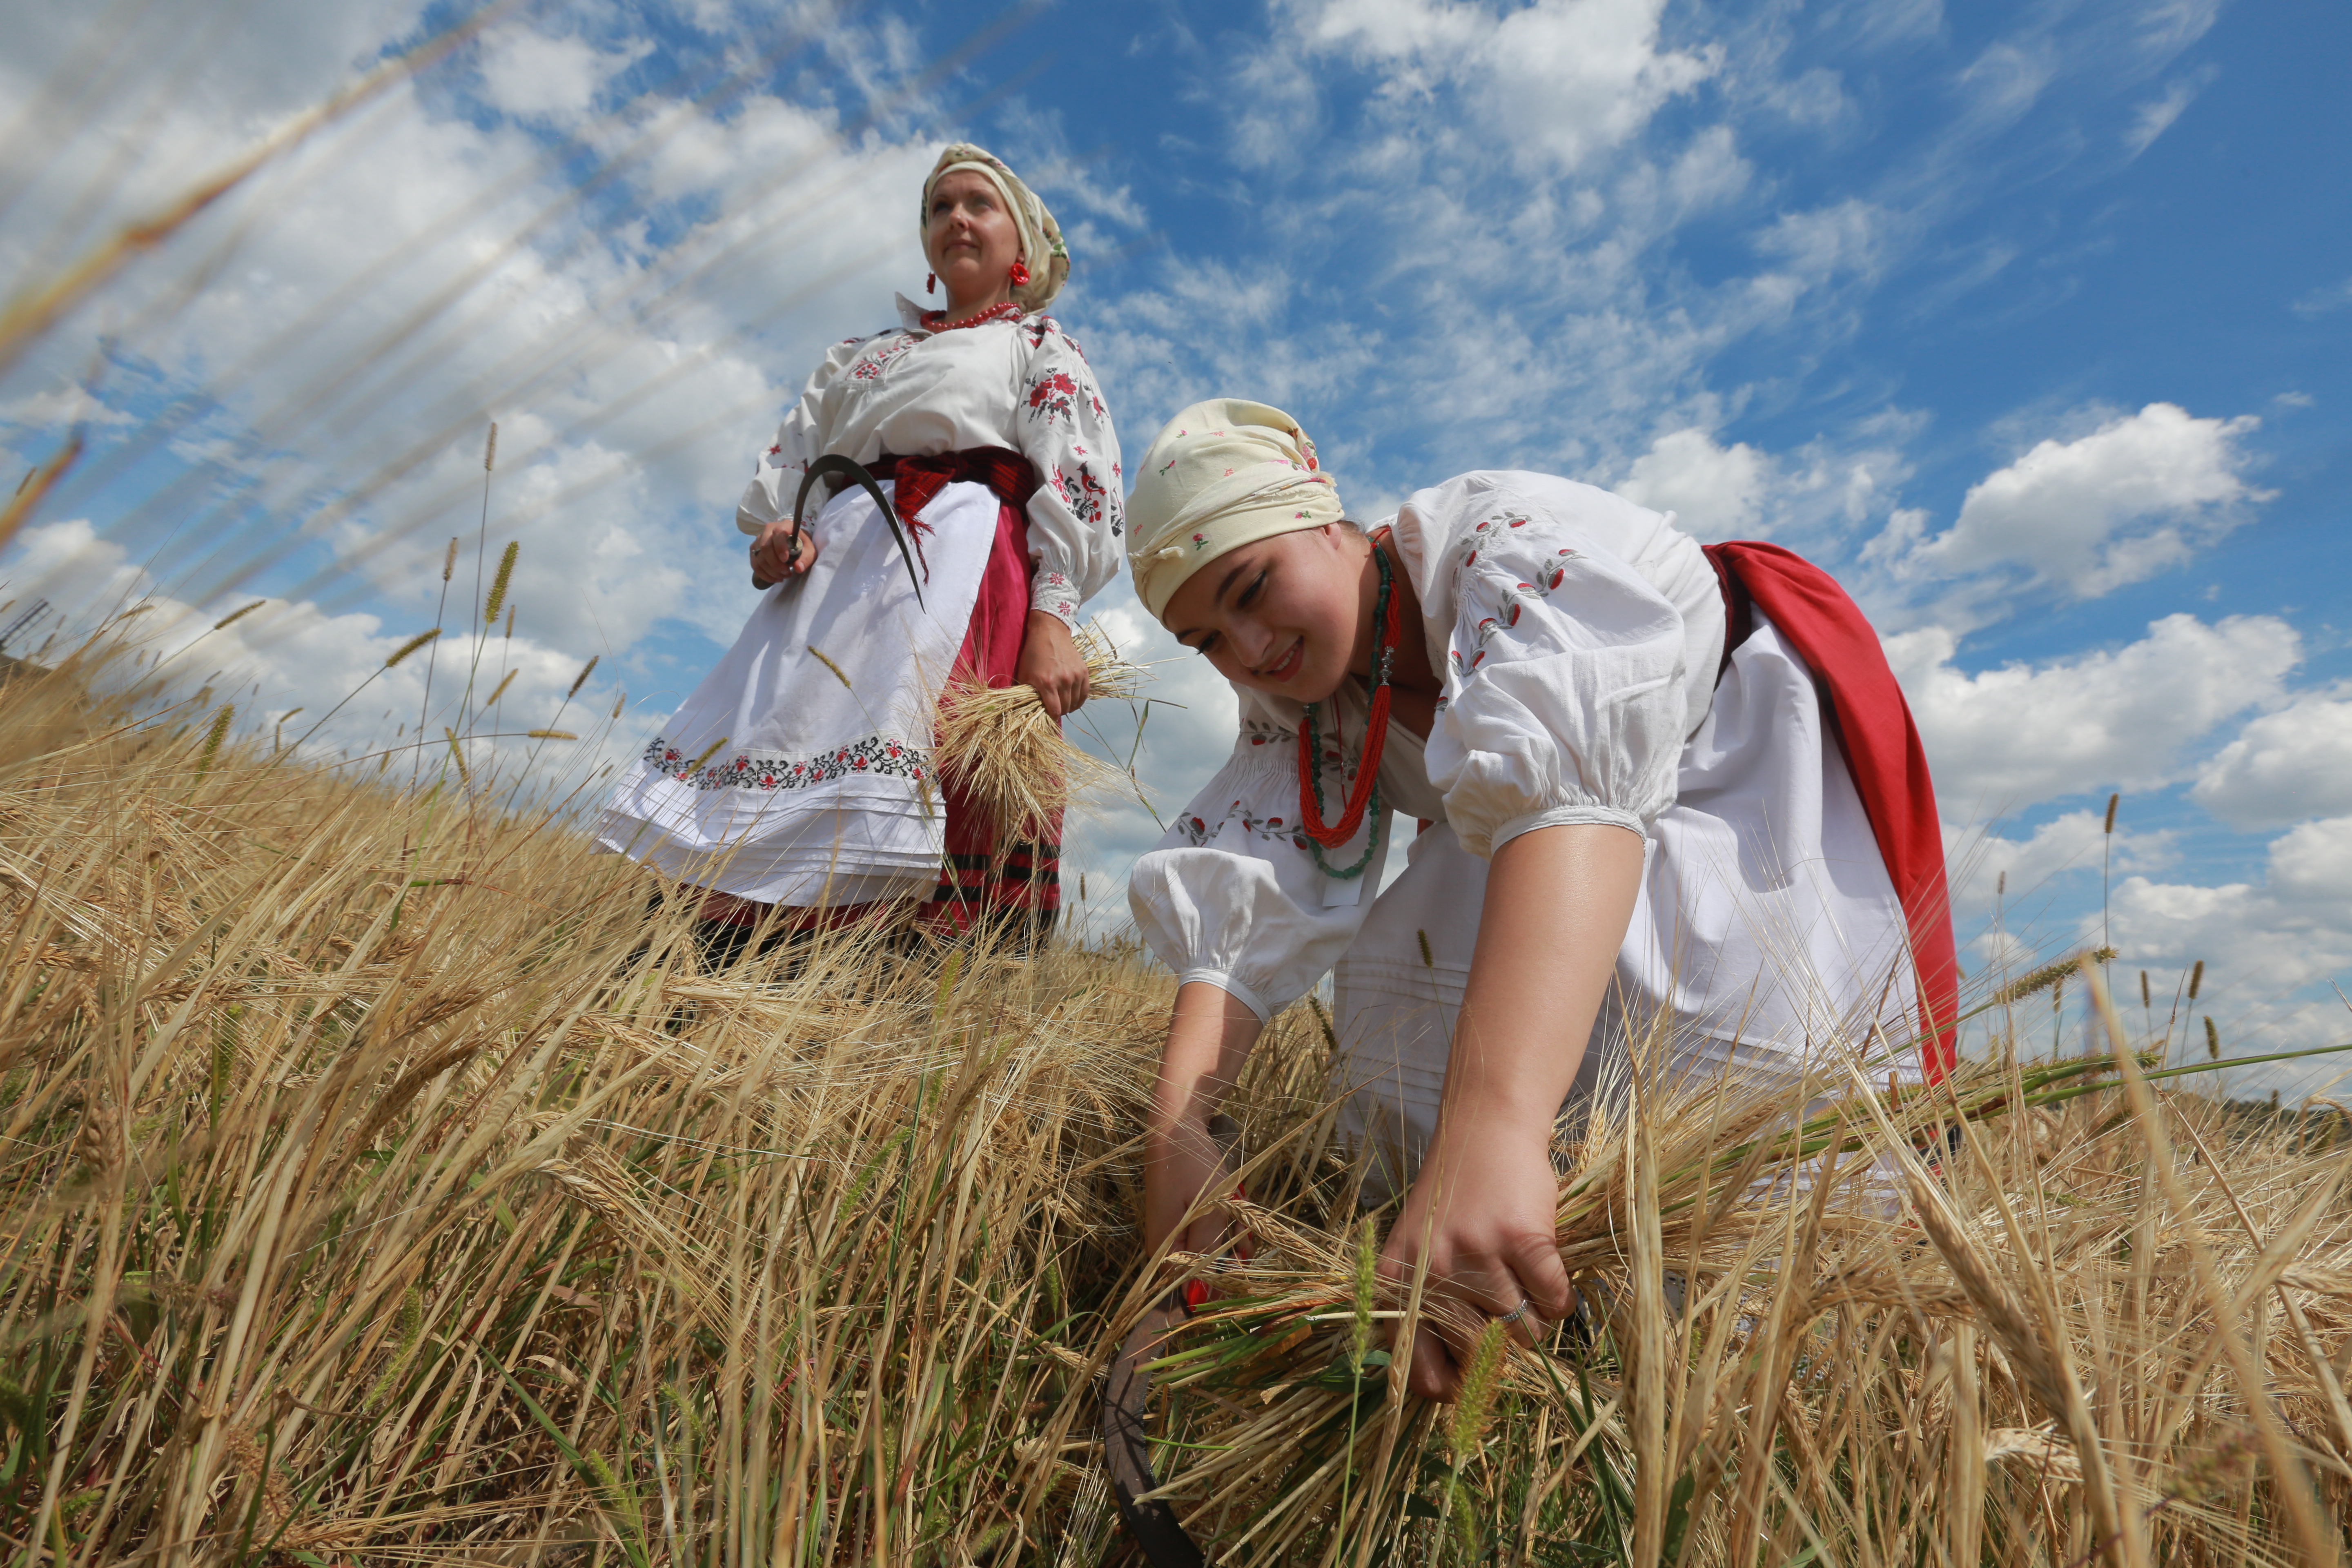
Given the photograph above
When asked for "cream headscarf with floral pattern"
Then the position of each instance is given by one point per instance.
(1223, 474)
(1040, 234)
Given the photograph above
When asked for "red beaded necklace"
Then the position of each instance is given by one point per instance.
(1376, 733)
(936, 321)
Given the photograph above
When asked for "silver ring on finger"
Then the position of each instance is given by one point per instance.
(1524, 1309)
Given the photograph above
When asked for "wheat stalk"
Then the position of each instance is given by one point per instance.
(997, 743)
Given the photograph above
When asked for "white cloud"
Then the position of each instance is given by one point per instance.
(2284, 767)
(1559, 79)
(2168, 27)
(1815, 246)
(2267, 947)
(2319, 302)
(2003, 83)
(2001, 740)
(1987, 869)
(283, 657)
(2155, 117)
(531, 74)
(2134, 497)
(1715, 492)
(2261, 942)
(2311, 869)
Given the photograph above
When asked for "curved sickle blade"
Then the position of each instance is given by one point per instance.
(1127, 1448)
(849, 468)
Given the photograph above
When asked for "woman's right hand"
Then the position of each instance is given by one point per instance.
(1180, 1163)
(1209, 1039)
(773, 561)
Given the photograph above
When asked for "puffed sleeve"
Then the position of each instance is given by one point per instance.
(1076, 518)
(1564, 695)
(1232, 895)
(800, 441)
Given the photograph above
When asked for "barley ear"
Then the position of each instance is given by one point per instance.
(580, 680)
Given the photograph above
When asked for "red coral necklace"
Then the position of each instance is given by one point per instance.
(1367, 790)
(936, 321)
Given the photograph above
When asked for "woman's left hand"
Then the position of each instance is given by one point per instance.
(1050, 665)
(1480, 1218)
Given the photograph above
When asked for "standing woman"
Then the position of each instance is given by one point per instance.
(1656, 785)
(795, 785)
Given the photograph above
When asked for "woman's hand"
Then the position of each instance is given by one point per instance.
(1181, 1162)
(1050, 665)
(1480, 1219)
(772, 561)
(1480, 1216)
(1209, 1039)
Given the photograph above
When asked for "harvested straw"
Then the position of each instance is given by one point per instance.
(996, 741)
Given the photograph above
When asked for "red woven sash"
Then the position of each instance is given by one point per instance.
(1004, 471)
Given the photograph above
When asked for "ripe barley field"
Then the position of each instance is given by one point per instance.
(385, 1179)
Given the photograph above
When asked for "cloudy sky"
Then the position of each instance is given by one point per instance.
(2032, 321)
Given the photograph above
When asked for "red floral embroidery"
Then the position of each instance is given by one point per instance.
(1052, 397)
(873, 755)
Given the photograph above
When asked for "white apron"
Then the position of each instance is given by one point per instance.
(818, 792)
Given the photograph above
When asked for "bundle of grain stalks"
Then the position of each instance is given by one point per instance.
(2039, 1313)
(997, 741)
(381, 1184)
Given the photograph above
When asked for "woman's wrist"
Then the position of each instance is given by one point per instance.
(1477, 1124)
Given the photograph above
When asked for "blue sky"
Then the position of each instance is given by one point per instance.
(2033, 321)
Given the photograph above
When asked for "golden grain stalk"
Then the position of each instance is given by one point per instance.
(997, 743)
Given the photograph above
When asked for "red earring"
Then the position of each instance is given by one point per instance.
(930, 282)
(1020, 274)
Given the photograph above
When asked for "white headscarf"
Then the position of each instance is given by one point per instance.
(1041, 237)
(1223, 474)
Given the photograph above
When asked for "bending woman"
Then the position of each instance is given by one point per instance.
(1657, 788)
(797, 778)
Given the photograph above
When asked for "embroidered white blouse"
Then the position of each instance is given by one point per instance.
(1022, 384)
(1577, 636)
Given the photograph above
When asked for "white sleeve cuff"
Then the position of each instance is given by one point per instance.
(1565, 817)
(1231, 987)
(1053, 592)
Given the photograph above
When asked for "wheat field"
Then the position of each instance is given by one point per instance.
(387, 1180)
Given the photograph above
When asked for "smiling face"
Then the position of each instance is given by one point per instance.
(971, 239)
(1291, 615)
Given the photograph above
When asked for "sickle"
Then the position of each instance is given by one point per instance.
(849, 468)
(1127, 1401)
(1127, 1448)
